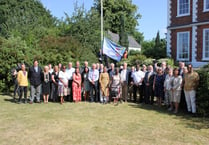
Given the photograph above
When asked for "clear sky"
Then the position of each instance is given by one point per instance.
(154, 13)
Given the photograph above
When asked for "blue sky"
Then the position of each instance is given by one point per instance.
(154, 13)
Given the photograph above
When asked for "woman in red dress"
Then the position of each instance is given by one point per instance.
(76, 85)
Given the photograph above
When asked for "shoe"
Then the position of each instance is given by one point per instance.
(175, 112)
(30, 102)
(194, 115)
(170, 109)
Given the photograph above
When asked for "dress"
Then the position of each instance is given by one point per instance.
(159, 85)
(76, 87)
(104, 81)
(85, 81)
(46, 79)
(54, 90)
(115, 86)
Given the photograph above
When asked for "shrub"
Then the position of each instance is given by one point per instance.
(202, 91)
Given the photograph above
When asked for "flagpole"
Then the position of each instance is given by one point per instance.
(102, 33)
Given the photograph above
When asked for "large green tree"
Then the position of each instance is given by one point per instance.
(114, 9)
(27, 19)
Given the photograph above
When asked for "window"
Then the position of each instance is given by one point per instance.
(206, 5)
(183, 46)
(183, 7)
(206, 44)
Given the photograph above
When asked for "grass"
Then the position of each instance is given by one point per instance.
(96, 124)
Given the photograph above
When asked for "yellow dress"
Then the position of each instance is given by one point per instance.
(104, 83)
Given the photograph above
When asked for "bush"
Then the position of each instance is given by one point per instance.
(202, 92)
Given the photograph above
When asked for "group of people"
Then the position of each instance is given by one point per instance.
(98, 83)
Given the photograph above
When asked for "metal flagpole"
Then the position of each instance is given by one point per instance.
(102, 33)
(101, 20)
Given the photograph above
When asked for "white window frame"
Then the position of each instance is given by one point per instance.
(204, 6)
(203, 49)
(178, 10)
(177, 48)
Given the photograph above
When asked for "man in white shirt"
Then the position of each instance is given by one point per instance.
(93, 79)
(124, 82)
(138, 77)
(70, 72)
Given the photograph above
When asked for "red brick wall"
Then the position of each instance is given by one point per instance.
(202, 16)
(174, 41)
(179, 20)
(200, 41)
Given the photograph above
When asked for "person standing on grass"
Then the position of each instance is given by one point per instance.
(46, 80)
(76, 85)
(104, 83)
(138, 78)
(93, 79)
(131, 82)
(176, 89)
(168, 88)
(85, 83)
(34, 74)
(63, 90)
(115, 86)
(22, 78)
(124, 82)
(158, 85)
(148, 81)
(191, 81)
(70, 72)
(55, 80)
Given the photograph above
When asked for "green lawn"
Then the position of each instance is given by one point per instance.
(96, 124)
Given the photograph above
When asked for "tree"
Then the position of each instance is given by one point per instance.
(13, 50)
(155, 48)
(123, 36)
(113, 10)
(27, 19)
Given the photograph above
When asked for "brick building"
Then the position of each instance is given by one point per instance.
(188, 31)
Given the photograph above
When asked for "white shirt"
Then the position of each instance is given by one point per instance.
(123, 75)
(64, 77)
(93, 75)
(51, 71)
(70, 73)
(138, 76)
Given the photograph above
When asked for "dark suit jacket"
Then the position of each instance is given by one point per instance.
(35, 77)
(150, 80)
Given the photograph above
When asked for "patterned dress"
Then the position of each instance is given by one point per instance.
(76, 87)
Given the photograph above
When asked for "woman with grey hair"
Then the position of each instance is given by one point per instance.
(46, 79)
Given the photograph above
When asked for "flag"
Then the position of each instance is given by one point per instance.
(112, 49)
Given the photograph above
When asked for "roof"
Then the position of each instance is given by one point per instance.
(131, 40)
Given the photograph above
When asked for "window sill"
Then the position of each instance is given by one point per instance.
(183, 15)
(205, 10)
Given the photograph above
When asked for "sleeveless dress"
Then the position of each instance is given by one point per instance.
(76, 88)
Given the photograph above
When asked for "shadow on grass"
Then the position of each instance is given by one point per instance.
(186, 119)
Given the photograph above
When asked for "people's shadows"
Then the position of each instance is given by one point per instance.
(11, 100)
(186, 119)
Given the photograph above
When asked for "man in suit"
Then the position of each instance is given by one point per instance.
(34, 75)
(131, 82)
(148, 81)
(124, 82)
